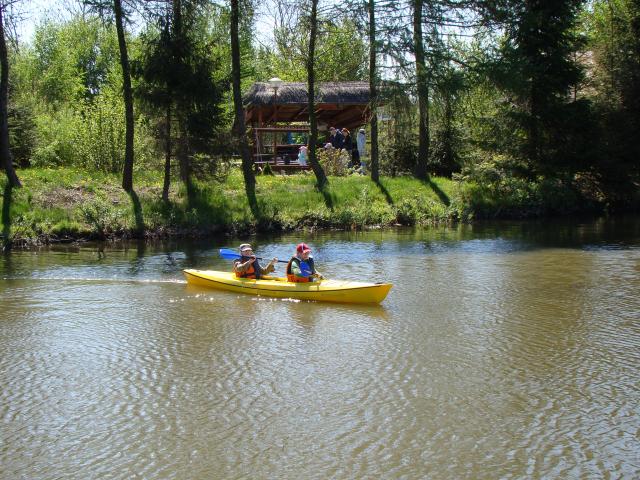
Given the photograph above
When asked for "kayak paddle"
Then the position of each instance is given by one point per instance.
(229, 254)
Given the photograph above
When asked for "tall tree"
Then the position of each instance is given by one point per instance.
(179, 51)
(127, 174)
(615, 43)
(6, 159)
(239, 128)
(422, 87)
(198, 92)
(183, 76)
(153, 71)
(106, 8)
(538, 69)
(373, 92)
(321, 178)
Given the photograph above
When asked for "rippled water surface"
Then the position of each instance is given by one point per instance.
(503, 351)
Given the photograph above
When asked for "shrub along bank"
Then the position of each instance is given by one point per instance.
(67, 204)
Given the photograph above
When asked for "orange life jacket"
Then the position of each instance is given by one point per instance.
(249, 273)
(293, 278)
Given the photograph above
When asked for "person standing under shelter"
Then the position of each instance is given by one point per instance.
(350, 147)
(335, 138)
(302, 155)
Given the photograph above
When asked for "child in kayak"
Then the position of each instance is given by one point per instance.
(247, 266)
(301, 267)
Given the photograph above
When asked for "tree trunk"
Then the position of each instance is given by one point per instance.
(239, 127)
(422, 83)
(127, 175)
(311, 79)
(167, 157)
(6, 159)
(373, 93)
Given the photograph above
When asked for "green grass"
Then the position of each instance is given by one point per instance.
(66, 202)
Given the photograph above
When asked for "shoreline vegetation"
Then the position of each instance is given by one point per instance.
(115, 133)
(68, 205)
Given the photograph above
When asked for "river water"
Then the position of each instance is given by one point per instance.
(504, 350)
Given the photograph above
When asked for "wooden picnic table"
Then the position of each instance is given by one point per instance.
(281, 167)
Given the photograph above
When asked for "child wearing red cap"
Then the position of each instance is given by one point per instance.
(301, 267)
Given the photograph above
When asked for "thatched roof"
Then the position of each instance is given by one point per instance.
(295, 93)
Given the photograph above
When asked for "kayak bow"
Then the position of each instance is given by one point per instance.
(340, 291)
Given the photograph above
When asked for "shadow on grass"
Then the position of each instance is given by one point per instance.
(192, 194)
(137, 212)
(253, 201)
(385, 192)
(438, 191)
(326, 194)
(6, 218)
(207, 208)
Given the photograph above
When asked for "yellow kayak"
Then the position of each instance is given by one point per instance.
(340, 291)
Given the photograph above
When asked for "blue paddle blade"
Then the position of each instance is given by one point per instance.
(229, 254)
(232, 255)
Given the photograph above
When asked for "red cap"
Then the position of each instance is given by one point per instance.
(302, 247)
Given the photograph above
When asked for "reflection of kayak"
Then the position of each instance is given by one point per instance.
(325, 291)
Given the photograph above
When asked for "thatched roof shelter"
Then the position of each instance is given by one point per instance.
(339, 104)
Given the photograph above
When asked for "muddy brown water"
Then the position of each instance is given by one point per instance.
(504, 350)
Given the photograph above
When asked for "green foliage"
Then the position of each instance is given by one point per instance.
(103, 219)
(92, 137)
(341, 52)
(99, 140)
(512, 111)
(181, 70)
(536, 69)
(56, 130)
(334, 161)
(22, 133)
(444, 158)
(267, 169)
(70, 61)
(614, 38)
(398, 135)
(490, 190)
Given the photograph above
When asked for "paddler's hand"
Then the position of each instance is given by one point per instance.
(274, 260)
(252, 259)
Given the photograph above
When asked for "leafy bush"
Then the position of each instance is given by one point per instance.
(101, 216)
(56, 143)
(398, 156)
(267, 169)
(334, 161)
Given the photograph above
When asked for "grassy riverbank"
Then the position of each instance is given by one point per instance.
(64, 204)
